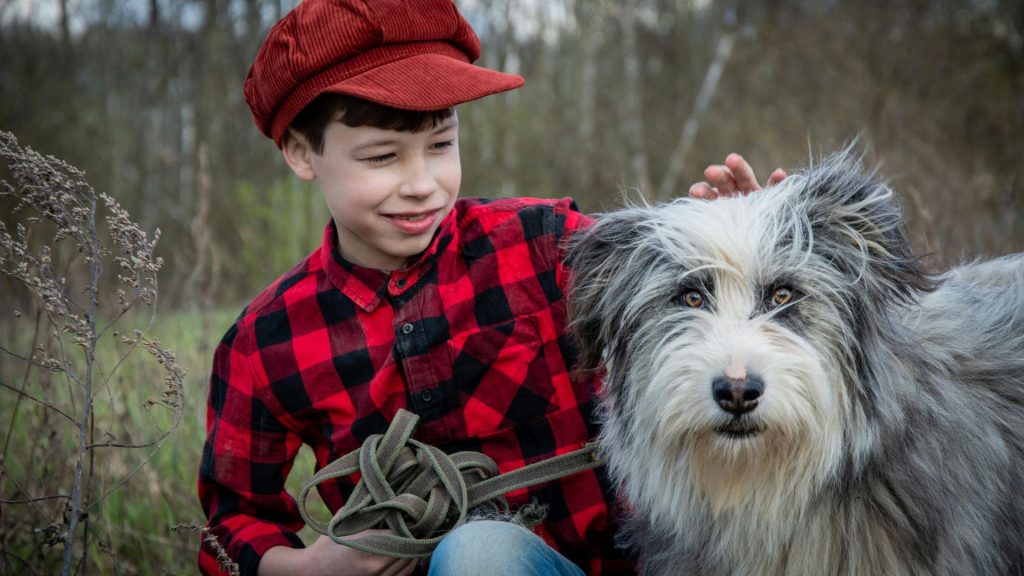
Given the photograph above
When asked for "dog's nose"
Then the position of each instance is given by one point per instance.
(737, 395)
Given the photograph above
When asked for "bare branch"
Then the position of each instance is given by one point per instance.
(43, 403)
(36, 499)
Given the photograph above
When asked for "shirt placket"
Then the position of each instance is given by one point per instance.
(413, 351)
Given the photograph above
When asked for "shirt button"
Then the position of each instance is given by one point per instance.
(426, 395)
(408, 328)
(400, 282)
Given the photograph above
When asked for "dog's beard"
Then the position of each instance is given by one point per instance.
(681, 452)
(740, 427)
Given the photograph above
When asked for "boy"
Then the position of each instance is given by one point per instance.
(452, 309)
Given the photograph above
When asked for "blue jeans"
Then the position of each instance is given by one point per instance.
(492, 548)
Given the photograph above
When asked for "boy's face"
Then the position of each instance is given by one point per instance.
(386, 190)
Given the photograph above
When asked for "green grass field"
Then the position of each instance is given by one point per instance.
(149, 491)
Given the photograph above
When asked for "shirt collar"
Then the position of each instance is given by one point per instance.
(367, 286)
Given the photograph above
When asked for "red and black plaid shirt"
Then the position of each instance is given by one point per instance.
(471, 337)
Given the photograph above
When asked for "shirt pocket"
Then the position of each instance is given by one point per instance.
(501, 375)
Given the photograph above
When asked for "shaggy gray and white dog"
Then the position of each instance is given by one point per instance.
(789, 392)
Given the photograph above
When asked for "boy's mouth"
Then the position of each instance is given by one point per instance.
(410, 217)
(413, 223)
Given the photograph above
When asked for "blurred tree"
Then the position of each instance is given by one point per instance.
(146, 97)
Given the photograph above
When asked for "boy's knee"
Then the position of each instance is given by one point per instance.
(481, 547)
(498, 548)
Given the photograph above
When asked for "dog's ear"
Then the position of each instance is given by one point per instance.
(594, 255)
(853, 213)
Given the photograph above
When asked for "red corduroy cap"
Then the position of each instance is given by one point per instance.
(406, 54)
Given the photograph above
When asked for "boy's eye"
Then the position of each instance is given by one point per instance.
(379, 159)
(442, 145)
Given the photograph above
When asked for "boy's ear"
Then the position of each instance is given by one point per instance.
(298, 154)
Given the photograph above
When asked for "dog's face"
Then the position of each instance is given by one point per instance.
(730, 328)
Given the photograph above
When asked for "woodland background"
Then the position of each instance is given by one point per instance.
(145, 97)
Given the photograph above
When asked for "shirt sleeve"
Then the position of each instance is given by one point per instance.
(571, 222)
(245, 462)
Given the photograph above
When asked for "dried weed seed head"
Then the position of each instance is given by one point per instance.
(53, 203)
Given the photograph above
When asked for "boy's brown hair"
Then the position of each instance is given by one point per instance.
(313, 120)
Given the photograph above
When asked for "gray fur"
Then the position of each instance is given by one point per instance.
(890, 437)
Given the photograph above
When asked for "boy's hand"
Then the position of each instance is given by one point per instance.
(329, 558)
(732, 178)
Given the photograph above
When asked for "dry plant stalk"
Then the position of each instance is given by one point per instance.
(227, 565)
(56, 253)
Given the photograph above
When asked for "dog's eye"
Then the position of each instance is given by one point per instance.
(693, 298)
(782, 296)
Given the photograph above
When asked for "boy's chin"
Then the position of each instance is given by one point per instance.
(409, 252)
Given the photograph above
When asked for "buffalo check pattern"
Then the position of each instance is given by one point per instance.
(471, 336)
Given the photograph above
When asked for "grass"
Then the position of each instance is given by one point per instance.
(151, 490)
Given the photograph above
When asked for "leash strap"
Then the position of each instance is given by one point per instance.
(421, 493)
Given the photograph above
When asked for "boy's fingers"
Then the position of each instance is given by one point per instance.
(742, 173)
(778, 176)
(401, 567)
(704, 191)
(734, 177)
(722, 179)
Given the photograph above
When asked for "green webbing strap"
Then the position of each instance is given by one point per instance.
(421, 493)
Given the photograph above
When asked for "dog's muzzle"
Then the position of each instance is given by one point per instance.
(738, 397)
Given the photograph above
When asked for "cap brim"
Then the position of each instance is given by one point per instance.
(426, 82)
(421, 77)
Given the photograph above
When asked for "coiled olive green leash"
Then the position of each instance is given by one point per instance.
(421, 493)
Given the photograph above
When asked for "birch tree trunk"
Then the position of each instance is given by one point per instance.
(633, 120)
(592, 21)
(677, 161)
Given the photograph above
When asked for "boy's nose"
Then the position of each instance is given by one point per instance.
(419, 180)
